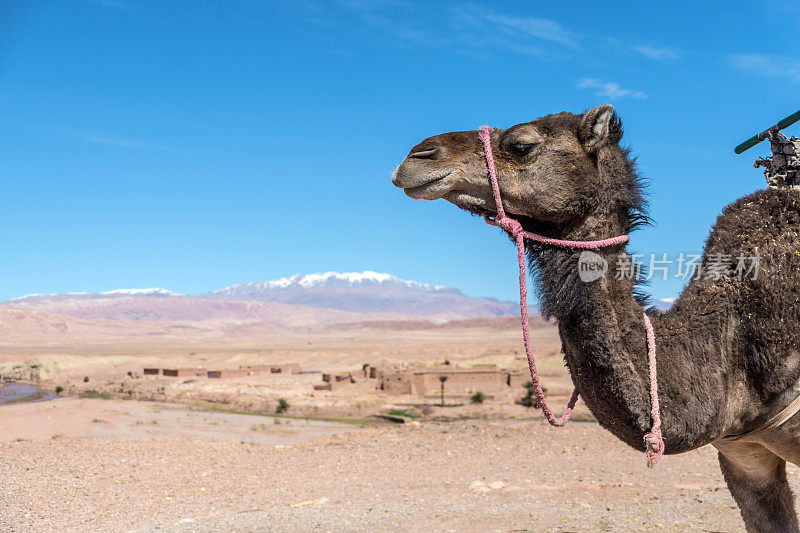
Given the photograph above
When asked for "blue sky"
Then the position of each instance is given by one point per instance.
(194, 144)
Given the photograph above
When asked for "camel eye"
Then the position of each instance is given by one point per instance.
(522, 148)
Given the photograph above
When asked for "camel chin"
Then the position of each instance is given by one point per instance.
(428, 191)
(479, 205)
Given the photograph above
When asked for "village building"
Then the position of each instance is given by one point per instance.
(230, 373)
(332, 382)
(426, 381)
(182, 372)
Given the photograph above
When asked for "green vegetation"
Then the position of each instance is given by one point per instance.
(142, 423)
(86, 379)
(91, 393)
(478, 397)
(283, 406)
(530, 399)
(442, 379)
(59, 389)
(408, 413)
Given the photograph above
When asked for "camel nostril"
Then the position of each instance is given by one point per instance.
(425, 154)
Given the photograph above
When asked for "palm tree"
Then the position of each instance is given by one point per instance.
(442, 379)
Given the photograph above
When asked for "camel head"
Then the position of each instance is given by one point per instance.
(555, 170)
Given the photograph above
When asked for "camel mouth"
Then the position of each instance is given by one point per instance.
(426, 186)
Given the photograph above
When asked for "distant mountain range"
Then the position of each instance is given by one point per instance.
(331, 296)
(329, 300)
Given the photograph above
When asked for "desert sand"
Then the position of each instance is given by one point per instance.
(190, 460)
(111, 465)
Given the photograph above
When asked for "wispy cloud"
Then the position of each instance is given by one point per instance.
(768, 66)
(610, 89)
(462, 28)
(545, 29)
(659, 54)
(95, 137)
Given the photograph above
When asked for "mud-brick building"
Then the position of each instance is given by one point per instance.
(333, 382)
(182, 372)
(425, 382)
(517, 378)
(459, 381)
(230, 373)
(396, 382)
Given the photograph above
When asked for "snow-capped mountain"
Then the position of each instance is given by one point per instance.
(349, 296)
(143, 292)
(258, 289)
(366, 292)
(90, 295)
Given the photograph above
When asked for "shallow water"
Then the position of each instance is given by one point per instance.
(20, 393)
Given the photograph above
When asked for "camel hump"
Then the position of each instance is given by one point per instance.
(764, 222)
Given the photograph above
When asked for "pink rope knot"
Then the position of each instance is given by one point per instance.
(654, 444)
(510, 225)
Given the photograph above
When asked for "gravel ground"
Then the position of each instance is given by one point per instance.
(119, 419)
(460, 476)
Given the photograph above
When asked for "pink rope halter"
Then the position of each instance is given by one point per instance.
(654, 443)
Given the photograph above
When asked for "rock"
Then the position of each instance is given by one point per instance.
(496, 485)
(479, 486)
(318, 501)
(302, 504)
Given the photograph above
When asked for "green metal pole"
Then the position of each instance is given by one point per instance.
(755, 139)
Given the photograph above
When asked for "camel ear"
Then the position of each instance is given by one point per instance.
(600, 125)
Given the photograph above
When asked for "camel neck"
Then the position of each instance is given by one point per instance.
(603, 338)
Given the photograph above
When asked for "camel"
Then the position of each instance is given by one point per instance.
(729, 347)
